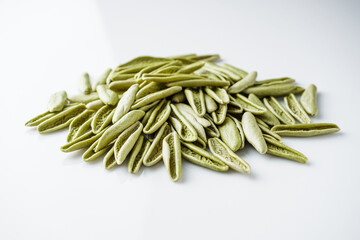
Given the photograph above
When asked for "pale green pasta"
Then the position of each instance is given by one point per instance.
(182, 107)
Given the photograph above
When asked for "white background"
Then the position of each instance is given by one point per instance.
(47, 194)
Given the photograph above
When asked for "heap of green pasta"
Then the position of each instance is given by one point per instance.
(153, 109)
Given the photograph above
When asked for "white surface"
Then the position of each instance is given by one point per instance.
(47, 194)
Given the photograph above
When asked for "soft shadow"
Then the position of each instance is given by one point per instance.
(30, 130)
(231, 173)
(73, 158)
(244, 151)
(280, 159)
